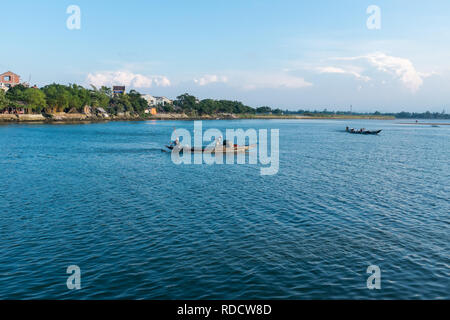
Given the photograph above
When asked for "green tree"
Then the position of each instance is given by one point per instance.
(106, 90)
(120, 103)
(16, 93)
(138, 103)
(186, 102)
(277, 111)
(35, 99)
(263, 110)
(62, 100)
(4, 102)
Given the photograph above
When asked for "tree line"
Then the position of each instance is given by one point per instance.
(397, 115)
(189, 104)
(73, 98)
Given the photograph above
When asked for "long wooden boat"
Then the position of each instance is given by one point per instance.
(362, 131)
(212, 150)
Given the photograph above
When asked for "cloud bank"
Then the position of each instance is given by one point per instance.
(210, 78)
(344, 70)
(274, 80)
(256, 80)
(401, 68)
(126, 78)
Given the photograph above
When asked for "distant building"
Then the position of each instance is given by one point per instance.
(156, 101)
(151, 100)
(9, 80)
(162, 101)
(118, 90)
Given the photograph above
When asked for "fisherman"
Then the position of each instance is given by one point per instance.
(175, 143)
(218, 141)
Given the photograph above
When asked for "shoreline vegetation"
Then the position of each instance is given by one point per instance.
(73, 103)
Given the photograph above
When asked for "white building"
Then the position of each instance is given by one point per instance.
(151, 100)
(156, 101)
(161, 101)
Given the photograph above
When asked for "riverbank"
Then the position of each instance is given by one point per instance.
(427, 123)
(315, 117)
(81, 117)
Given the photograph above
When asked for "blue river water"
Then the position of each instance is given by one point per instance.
(105, 198)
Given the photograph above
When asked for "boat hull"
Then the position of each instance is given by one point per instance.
(216, 150)
(365, 132)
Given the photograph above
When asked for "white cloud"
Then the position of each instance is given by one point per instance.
(347, 70)
(129, 79)
(255, 80)
(401, 68)
(271, 81)
(428, 74)
(210, 78)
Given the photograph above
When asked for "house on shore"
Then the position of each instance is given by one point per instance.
(151, 100)
(156, 101)
(162, 101)
(8, 80)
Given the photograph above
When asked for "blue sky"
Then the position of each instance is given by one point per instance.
(288, 54)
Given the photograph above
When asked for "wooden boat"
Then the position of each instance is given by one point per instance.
(362, 131)
(212, 150)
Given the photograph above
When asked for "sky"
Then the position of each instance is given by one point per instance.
(287, 54)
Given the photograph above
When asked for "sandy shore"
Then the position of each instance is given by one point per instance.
(80, 117)
(427, 123)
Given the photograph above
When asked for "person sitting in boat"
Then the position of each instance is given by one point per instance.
(218, 141)
(175, 143)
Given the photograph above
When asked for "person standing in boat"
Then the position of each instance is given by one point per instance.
(175, 143)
